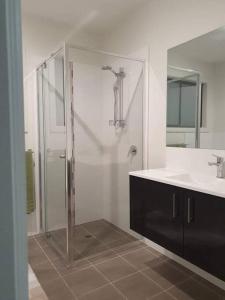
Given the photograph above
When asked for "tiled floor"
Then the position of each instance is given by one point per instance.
(35, 290)
(112, 265)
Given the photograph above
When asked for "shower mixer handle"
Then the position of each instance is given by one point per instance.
(133, 150)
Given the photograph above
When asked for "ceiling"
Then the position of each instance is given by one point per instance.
(97, 16)
(209, 48)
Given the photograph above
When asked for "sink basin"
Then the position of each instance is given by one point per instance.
(194, 179)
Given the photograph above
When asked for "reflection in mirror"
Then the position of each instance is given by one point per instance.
(196, 93)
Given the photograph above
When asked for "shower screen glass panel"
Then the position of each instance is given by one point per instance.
(108, 122)
(53, 150)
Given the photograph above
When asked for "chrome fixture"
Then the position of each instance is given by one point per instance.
(118, 97)
(132, 150)
(220, 166)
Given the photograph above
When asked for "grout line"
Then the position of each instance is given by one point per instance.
(94, 266)
(163, 292)
(141, 272)
(60, 276)
(119, 255)
(161, 287)
(94, 290)
(109, 281)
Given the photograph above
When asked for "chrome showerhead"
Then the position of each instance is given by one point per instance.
(120, 74)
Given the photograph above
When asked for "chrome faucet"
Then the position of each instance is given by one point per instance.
(220, 166)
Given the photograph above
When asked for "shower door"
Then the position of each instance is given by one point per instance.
(53, 145)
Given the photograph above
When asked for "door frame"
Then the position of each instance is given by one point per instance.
(13, 231)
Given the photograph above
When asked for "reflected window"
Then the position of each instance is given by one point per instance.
(181, 103)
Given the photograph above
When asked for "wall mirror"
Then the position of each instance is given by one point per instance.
(196, 93)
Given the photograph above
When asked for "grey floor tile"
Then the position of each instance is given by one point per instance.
(37, 293)
(192, 290)
(36, 256)
(107, 292)
(109, 236)
(96, 227)
(43, 241)
(103, 232)
(124, 246)
(165, 274)
(101, 257)
(140, 258)
(88, 247)
(162, 296)
(51, 253)
(104, 252)
(45, 272)
(181, 268)
(64, 269)
(116, 268)
(85, 281)
(211, 286)
(155, 252)
(137, 287)
(32, 244)
(57, 290)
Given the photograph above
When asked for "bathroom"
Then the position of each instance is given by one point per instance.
(125, 145)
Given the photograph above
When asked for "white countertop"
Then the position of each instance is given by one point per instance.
(182, 178)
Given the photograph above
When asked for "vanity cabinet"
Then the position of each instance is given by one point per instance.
(188, 223)
(204, 231)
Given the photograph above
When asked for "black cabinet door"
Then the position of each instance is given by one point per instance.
(204, 232)
(138, 190)
(164, 216)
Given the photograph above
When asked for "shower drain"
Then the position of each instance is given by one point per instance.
(88, 236)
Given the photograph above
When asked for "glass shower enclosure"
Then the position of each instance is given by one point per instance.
(90, 137)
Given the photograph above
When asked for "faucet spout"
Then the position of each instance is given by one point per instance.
(220, 166)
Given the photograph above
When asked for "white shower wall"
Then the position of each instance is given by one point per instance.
(102, 161)
(117, 159)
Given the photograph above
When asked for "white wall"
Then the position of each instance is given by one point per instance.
(163, 24)
(42, 37)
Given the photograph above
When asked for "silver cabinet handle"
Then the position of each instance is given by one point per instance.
(62, 156)
(189, 212)
(174, 205)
